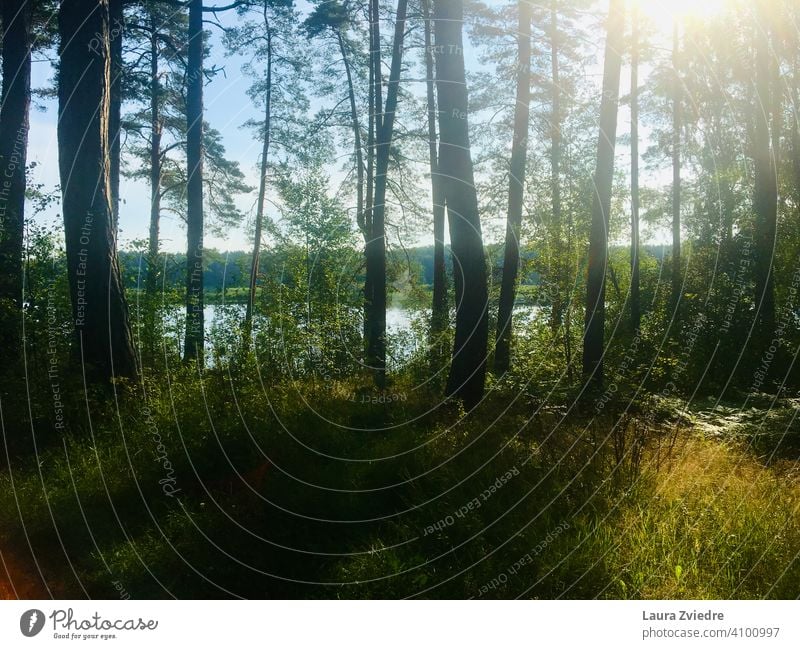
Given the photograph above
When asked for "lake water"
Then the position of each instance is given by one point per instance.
(401, 339)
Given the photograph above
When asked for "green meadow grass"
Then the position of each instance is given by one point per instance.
(504, 502)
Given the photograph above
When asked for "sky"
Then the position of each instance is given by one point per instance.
(227, 108)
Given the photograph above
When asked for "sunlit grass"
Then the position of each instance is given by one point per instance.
(708, 521)
(715, 524)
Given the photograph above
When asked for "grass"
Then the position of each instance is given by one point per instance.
(716, 524)
(507, 501)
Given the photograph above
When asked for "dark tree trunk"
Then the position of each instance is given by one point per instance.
(516, 189)
(155, 163)
(636, 314)
(677, 119)
(100, 312)
(594, 324)
(468, 367)
(439, 315)
(262, 190)
(796, 131)
(765, 195)
(557, 267)
(376, 246)
(776, 107)
(357, 150)
(561, 306)
(375, 60)
(14, 109)
(116, 29)
(193, 345)
(375, 106)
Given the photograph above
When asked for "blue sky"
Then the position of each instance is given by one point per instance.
(227, 108)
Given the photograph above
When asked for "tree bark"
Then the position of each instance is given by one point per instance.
(100, 312)
(796, 128)
(765, 195)
(376, 246)
(116, 30)
(357, 150)
(636, 316)
(516, 189)
(14, 111)
(193, 344)
(375, 106)
(468, 366)
(558, 268)
(155, 162)
(262, 189)
(677, 119)
(594, 323)
(439, 315)
(375, 60)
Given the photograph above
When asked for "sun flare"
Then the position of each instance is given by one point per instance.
(664, 12)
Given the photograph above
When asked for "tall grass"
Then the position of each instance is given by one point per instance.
(307, 489)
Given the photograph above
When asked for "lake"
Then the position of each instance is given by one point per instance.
(401, 341)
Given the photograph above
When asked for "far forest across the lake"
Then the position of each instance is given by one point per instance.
(400, 299)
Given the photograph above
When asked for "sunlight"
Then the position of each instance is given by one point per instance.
(663, 12)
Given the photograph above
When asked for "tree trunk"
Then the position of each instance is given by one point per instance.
(677, 119)
(375, 106)
(439, 314)
(116, 29)
(193, 345)
(636, 317)
(765, 195)
(351, 94)
(14, 110)
(262, 190)
(375, 60)
(558, 268)
(155, 163)
(516, 189)
(468, 366)
(100, 312)
(376, 246)
(796, 130)
(594, 323)
(776, 107)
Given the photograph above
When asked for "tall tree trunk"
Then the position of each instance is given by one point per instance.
(776, 108)
(150, 315)
(796, 128)
(516, 189)
(262, 189)
(375, 60)
(765, 195)
(376, 246)
(677, 119)
(439, 314)
(193, 345)
(636, 316)
(100, 312)
(558, 268)
(116, 30)
(357, 150)
(468, 366)
(14, 108)
(594, 324)
(570, 258)
(363, 205)
(155, 162)
(375, 106)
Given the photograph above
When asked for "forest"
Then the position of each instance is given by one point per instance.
(384, 299)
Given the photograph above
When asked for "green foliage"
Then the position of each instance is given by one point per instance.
(552, 513)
